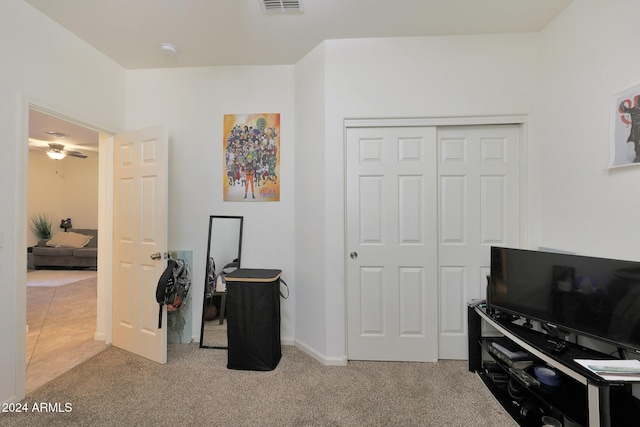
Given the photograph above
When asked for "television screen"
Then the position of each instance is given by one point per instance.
(597, 297)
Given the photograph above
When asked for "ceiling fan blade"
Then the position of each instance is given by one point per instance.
(76, 154)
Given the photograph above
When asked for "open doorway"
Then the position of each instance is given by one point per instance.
(62, 184)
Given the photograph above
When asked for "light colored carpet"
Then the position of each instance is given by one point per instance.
(117, 388)
(50, 278)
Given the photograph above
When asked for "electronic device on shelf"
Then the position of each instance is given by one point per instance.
(509, 353)
(557, 346)
(478, 302)
(526, 378)
(594, 297)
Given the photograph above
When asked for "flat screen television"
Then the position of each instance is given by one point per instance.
(595, 297)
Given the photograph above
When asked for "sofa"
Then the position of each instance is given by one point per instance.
(73, 249)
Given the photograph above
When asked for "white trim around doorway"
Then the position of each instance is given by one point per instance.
(105, 225)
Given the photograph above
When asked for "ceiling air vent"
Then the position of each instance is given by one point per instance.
(281, 6)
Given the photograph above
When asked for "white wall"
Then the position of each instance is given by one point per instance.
(45, 64)
(402, 78)
(311, 298)
(590, 54)
(192, 103)
(66, 188)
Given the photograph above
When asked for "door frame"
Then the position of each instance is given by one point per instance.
(105, 225)
(522, 120)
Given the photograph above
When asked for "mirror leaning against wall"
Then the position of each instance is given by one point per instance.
(224, 248)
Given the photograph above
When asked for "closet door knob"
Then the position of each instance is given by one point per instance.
(354, 255)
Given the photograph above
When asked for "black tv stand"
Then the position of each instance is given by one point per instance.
(622, 353)
(582, 398)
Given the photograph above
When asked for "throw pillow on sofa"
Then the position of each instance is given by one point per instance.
(74, 240)
(56, 240)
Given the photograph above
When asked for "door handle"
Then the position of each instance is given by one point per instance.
(156, 256)
(354, 255)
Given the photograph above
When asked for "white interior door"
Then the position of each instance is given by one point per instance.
(392, 242)
(479, 207)
(140, 230)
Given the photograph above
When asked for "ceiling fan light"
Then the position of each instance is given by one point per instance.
(56, 155)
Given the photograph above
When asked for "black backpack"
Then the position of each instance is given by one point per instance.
(173, 287)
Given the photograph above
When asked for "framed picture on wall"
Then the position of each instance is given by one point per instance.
(251, 153)
(625, 129)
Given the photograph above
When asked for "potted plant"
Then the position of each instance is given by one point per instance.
(41, 226)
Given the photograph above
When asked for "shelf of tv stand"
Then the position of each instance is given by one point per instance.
(569, 399)
(593, 401)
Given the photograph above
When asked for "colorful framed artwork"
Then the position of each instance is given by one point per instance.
(625, 129)
(251, 152)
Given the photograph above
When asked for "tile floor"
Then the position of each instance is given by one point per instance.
(62, 323)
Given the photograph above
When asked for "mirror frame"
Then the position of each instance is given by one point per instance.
(204, 293)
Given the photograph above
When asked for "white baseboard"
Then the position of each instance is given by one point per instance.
(287, 341)
(11, 399)
(328, 361)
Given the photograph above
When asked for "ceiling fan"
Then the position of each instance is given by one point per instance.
(57, 152)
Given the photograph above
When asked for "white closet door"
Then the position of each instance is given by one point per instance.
(478, 174)
(392, 244)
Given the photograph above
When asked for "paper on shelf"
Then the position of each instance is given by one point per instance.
(613, 370)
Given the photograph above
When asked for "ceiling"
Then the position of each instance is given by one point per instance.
(77, 138)
(240, 32)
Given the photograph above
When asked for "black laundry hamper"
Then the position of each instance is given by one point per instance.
(253, 319)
